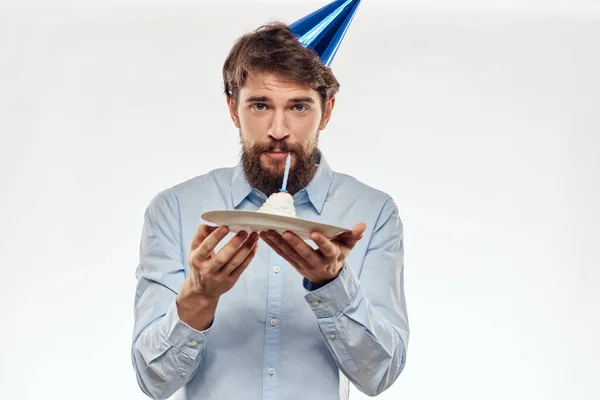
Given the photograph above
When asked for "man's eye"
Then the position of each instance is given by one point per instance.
(259, 106)
(300, 107)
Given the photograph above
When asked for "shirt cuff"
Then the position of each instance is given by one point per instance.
(182, 336)
(335, 297)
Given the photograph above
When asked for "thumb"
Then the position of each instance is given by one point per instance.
(201, 233)
(358, 230)
(350, 238)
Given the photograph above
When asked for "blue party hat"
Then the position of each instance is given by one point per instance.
(324, 29)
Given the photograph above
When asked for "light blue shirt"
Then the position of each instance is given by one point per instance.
(272, 338)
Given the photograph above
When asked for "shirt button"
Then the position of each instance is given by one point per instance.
(332, 336)
(194, 343)
(276, 268)
(182, 374)
(316, 303)
(273, 322)
(271, 371)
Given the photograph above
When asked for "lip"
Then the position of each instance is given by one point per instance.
(276, 154)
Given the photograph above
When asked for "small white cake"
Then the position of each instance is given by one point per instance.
(281, 203)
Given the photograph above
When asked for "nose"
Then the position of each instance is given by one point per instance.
(278, 129)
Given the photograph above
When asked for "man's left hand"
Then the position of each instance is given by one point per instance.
(321, 265)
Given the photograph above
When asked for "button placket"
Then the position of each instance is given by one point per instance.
(273, 325)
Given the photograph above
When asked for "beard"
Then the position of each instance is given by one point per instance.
(269, 180)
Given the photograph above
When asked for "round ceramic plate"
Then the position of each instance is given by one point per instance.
(252, 221)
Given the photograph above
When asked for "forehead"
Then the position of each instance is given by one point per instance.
(271, 85)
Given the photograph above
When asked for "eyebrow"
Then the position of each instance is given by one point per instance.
(265, 99)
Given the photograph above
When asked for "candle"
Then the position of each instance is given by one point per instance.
(286, 173)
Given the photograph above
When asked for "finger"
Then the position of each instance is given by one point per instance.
(272, 244)
(292, 259)
(288, 250)
(303, 249)
(235, 274)
(208, 245)
(227, 251)
(326, 247)
(201, 233)
(349, 239)
(240, 255)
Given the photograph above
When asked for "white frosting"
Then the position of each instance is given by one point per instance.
(280, 203)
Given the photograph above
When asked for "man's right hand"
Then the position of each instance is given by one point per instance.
(211, 273)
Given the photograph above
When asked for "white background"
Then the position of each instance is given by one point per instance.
(480, 119)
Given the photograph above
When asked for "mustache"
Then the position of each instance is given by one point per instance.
(276, 144)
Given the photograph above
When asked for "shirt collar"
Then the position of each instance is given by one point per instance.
(316, 190)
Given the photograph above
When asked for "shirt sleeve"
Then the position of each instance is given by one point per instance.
(364, 319)
(166, 352)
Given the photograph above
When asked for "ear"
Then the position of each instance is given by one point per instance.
(232, 105)
(327, 113)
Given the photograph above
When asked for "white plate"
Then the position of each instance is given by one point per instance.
(252, 221)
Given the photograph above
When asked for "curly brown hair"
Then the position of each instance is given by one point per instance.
(273, 48)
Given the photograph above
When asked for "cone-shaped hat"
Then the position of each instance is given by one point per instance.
(324, 29)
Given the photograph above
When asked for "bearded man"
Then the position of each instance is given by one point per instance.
(267, 315)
